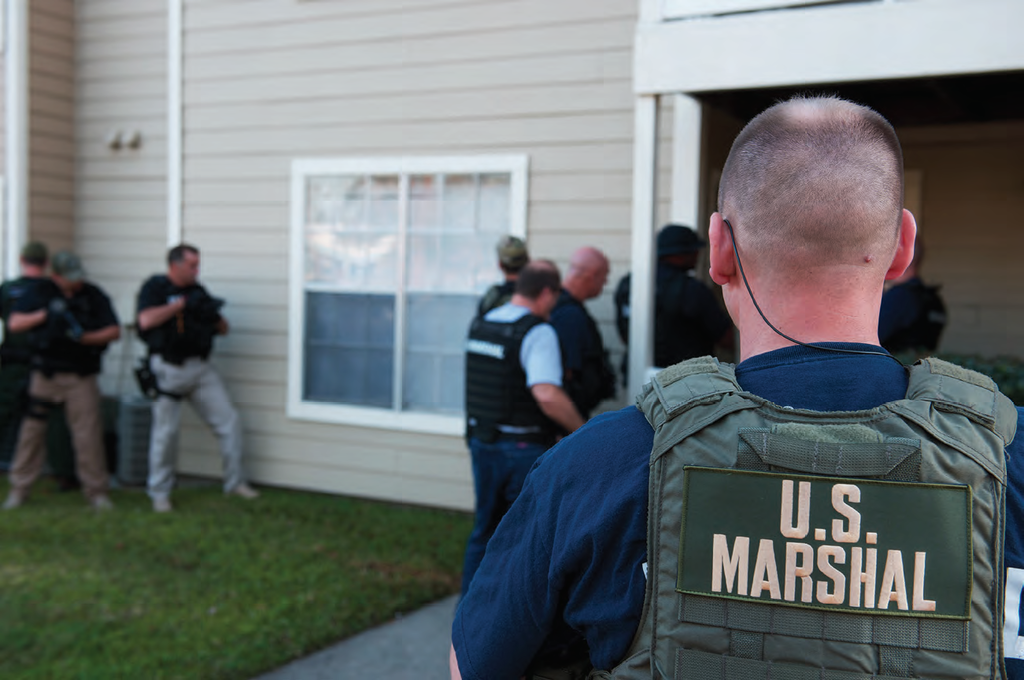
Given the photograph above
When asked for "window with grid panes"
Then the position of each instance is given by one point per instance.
(393, 256)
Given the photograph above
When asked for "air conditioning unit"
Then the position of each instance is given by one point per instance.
(135, 418)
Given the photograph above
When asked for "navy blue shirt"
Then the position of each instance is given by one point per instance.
(571, 549)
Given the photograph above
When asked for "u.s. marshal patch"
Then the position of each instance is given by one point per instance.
(827, 543)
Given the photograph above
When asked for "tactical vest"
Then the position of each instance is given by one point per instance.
(52, 350)
(595, 380)
(787, 543)
(16, 347)
(191, 332)
(496, 296)
(496, 391)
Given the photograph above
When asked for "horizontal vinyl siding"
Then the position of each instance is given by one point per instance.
(121, 195)
(970, 222)
(267, 82)
(51, 123)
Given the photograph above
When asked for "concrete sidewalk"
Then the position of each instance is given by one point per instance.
(413, 647)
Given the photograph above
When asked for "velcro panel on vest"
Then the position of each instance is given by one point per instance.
(942, 635)
(968, 393)
(694, 664)
(708, 382)
(864, 459)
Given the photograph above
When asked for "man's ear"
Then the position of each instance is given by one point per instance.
(904, 246)
(720, 253)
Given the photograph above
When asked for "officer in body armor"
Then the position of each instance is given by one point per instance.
(817, 510)
(688, 321)
(589, 378)
(16, 350)
(913, 315)
(178, 321)
(515, 404)
(70, 323)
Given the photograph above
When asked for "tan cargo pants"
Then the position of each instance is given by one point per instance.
(81, 398)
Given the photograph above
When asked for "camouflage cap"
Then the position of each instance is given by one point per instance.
(512, 252)
(67, 265)
(35, 252)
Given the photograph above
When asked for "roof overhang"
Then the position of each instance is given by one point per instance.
(852, 42)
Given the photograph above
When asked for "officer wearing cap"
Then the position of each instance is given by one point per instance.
(512, 257)
(688, 322)
(70, 324)
(178, 320)
(16, 350)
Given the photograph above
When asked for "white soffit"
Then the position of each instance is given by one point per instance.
(844, 43)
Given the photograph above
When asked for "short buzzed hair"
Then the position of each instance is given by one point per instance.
(177, 253)
(536, 277)
(815, 177)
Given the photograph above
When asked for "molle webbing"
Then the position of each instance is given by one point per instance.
(951, 429)
(945, 635)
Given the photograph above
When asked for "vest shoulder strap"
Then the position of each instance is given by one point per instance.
(958, 390)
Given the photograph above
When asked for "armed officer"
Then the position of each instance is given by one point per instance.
(178, 320)
(70, 324)
(515, 403)
(779, 518)
(16, 350)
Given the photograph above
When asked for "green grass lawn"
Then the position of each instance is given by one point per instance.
(220, 588)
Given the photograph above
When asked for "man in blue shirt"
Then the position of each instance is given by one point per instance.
(814, 190)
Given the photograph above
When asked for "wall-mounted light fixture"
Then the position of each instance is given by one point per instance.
(124, 139)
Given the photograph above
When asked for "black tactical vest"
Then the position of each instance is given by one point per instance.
(496, 391)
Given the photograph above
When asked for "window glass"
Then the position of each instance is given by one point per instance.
(393, 264)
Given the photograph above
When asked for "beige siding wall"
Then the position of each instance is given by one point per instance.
(3, 114)
(270, 81)
(51, 122)
(973, 199)
(120, 196)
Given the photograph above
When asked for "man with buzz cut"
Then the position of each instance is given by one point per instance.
(515, 404)
(817, 510)
(178, 320)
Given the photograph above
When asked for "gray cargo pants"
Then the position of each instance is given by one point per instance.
(198, 382)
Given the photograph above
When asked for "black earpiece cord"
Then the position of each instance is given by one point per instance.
(743, 274)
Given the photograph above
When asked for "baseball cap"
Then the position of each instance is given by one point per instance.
(34, 252)
(512, 252)
(675, 239)
(67, 265)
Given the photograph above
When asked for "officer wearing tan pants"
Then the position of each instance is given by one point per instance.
(71, 323)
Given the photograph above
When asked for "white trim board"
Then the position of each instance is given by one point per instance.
(833, 43)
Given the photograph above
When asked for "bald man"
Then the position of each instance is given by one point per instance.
(589, 379)
(817, 510)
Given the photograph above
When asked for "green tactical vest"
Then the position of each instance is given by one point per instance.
(793, 544)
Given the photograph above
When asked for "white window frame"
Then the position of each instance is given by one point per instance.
(366, 416)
